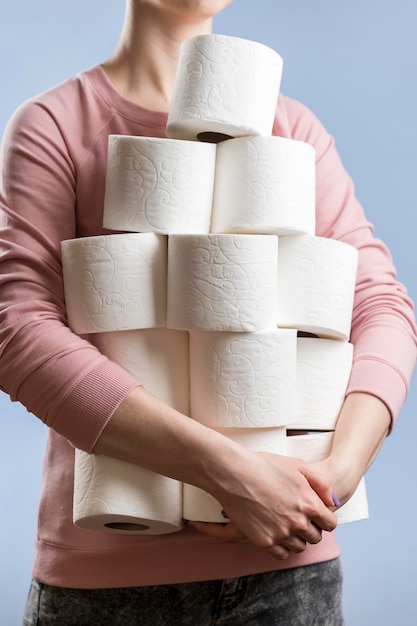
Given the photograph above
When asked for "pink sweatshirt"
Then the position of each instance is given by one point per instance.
(53, 162)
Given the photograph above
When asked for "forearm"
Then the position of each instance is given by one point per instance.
(147, 432)
(271, 500)
(361, 429)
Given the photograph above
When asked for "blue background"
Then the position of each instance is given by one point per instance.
(354, 64)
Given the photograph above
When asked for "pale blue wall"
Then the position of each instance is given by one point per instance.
(355, 64)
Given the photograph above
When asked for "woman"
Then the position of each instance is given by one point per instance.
(277, 561)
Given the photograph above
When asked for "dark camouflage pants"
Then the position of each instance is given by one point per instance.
(303, 596)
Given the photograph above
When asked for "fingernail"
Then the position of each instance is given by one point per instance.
(187, 523)
(335, 499)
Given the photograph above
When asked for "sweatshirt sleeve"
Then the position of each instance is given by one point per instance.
(383, 323)
(57, 375)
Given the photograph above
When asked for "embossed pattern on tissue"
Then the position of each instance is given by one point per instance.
(243, 380)
(266, 182)
(222, 283)
(316, 279)
(115, 282)
(99, 489)
(224, 80)
(151, 185)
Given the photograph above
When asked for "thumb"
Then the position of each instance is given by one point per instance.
(321, 485)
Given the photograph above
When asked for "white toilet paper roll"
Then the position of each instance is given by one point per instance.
(198, 505)
(117, 497)
(243, 380)
(222, 282)
(264, 185)
(159, 185)
(272, 440)
(314, 447)
(323, 370)
(224, 86)
(158, 357)
(115, 282)
(316, 285)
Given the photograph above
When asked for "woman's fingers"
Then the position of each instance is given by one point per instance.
(225, 532)
(231, 534)
(276, 506)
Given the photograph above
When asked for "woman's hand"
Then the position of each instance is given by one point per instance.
(280, 504)
(361, 430)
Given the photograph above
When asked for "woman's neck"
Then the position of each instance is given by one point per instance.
(144, 63)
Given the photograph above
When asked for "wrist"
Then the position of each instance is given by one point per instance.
(220, 464)
(343, 478)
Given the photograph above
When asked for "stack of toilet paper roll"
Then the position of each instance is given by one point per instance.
(215, 293)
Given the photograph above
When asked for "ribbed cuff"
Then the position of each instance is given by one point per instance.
(91, 403)
(381, 380)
